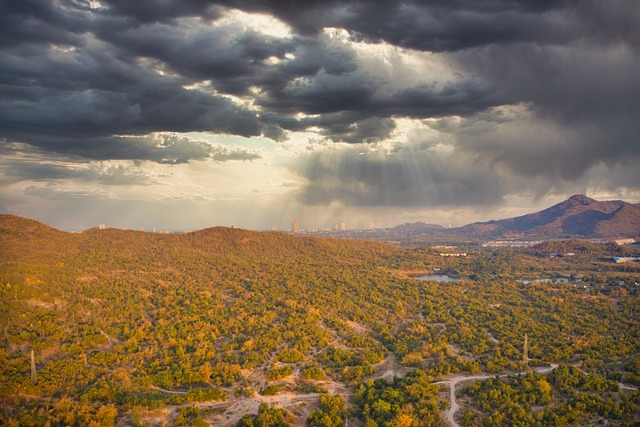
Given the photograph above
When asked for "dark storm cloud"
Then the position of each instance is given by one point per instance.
(231, 56)
(424, 173)
(95, 83)
(609, 22)
(326, 93)
(101, 79)
(75, 94)
(367, 129)
(37, 21)
(147, 11)
(165, 149)
(410, 176)
(425, 25)
(584, 107)
(96, 96)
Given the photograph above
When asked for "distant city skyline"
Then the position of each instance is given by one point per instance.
(182, 115)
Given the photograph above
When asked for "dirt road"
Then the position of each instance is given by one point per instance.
(454, 407)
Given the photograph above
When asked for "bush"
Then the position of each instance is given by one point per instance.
(313, 373)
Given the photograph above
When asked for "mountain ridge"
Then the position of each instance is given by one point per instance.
(578, 216)
(22, 238)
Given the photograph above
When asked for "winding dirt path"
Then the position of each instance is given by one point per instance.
(627, 387)
(107, 337)
(454, 407)
(167, 391)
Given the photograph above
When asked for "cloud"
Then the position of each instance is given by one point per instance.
(223, 154)
(432, 25)
(74, 119)
(159, 148)
(33, 21)
(81, 95)
(193, 68)
(407, 176)
(579, 108)
(433, 170)
(64, 193)
(20, 170)
(148, 11)
(227, 52)
(183, 196)
(521, 96)
(96, 165)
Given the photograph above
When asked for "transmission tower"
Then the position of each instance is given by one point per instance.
(34, 374)
(525, 351)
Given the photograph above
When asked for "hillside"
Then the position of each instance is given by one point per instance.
(22, 237)
(26, 238)
(417, 227)
(578, 216)
(211, 327)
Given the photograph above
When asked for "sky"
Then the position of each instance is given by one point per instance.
(186, 114)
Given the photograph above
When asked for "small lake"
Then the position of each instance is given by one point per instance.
(438, 278)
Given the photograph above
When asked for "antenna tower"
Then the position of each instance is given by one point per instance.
(34, 374)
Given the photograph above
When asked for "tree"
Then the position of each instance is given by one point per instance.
(268, 416)
(332, 408)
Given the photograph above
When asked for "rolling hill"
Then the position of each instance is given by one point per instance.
(417, 227)
(578, 216)
(123, 327)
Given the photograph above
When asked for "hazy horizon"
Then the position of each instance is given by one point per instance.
(302, 228)
(187, 114)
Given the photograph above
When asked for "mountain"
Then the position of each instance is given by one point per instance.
(578, 216)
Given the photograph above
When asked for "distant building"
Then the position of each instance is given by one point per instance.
(295, 227)
(102, 226)
(274, 228)
(343, 226)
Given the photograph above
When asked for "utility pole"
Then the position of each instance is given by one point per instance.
(34, 374)
(525, 351)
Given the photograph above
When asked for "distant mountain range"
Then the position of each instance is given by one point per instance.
(579, 216)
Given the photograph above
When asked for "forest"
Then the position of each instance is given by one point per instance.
(226, 326)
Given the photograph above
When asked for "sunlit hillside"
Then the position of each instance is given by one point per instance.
(232, 327)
